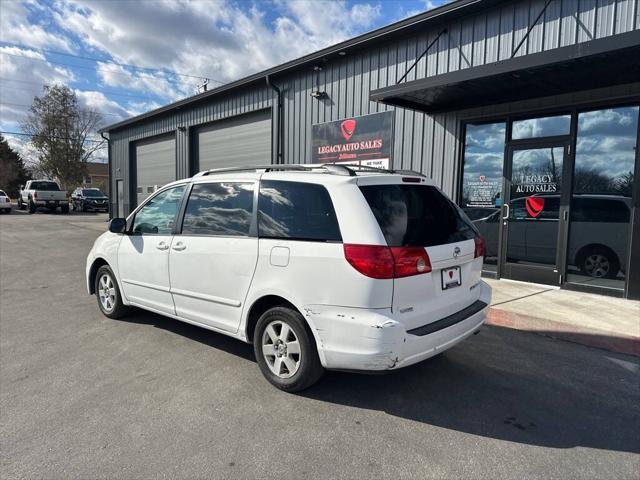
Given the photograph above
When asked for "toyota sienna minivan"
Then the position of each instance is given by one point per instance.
(318, 266)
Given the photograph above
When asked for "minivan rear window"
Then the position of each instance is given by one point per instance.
(417, 215)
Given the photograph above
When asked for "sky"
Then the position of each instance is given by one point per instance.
(124, 58)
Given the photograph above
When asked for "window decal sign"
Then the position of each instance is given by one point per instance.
(534, 205)
(482, 191)
(536, 183)
(365, 140)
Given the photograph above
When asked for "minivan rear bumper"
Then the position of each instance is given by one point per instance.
(375, 340)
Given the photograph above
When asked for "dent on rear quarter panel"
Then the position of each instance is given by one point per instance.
(358, 339)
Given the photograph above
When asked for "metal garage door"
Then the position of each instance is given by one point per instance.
(155, 165)
(243, 140)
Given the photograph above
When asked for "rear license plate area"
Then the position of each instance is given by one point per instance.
(451, 277)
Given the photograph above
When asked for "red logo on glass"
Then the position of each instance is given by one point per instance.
(348, 127)
(534, 205)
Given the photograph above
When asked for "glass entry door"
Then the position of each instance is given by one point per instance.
(533, 230)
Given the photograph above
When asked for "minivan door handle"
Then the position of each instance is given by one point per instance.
(179, 246)
(162, 246)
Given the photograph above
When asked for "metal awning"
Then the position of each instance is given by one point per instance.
(598, 63)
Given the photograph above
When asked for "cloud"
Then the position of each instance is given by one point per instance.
(24, 72)
(160, 84)
(18, 25)
(220, 40)
(427, 5)
(94, 100)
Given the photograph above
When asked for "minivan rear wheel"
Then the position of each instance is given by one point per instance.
(599, 262)
(286, 351)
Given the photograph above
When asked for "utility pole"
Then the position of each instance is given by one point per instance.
(202, 87)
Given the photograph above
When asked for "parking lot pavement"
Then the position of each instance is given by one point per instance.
(82, 396)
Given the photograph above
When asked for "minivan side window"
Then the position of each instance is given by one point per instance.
(221, 208)
(296, 211)
(599, 210)
(158, 215)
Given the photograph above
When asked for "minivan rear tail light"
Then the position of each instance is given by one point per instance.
(410, 261)
(373, 261)
(382, 262)
(481, 246)
(411, 179)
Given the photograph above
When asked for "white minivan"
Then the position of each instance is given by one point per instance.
(318, 266)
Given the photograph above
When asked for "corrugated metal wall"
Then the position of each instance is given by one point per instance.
(426, 143)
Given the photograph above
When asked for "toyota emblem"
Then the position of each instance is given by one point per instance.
(456, 252)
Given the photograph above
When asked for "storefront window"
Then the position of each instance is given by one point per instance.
(541, 127)
(598, 249)
(536, 186)
(482, 182)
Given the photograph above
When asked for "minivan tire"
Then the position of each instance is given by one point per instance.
(309, 369)
(595, 259)
(114, 308)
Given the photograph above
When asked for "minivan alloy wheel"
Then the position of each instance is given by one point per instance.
(107, 293)
(597, 265)
(281, 349)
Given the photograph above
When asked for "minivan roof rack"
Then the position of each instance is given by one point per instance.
(328, 168)
(332, 168)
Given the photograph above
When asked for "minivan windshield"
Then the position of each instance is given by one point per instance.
(417, 215)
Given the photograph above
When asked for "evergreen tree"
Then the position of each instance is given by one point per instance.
(12, 169)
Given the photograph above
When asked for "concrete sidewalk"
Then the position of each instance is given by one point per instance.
(594, 320)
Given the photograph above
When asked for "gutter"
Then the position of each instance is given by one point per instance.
(108, 140)
(279, 129)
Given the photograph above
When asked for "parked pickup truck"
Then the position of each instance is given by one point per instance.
(43, 193)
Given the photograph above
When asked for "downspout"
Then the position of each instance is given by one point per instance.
(279, 130)
(110, 175)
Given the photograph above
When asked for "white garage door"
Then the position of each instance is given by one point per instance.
(239, 141)
(155, 165)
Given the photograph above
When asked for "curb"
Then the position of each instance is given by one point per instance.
(625, 344)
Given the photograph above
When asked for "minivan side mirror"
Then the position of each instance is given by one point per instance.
(118, 225)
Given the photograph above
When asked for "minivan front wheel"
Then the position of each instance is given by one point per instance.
(286, 351)
(108, 294)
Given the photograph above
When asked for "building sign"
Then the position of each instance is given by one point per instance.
(544, 183)
(365, 140)
(483, 192)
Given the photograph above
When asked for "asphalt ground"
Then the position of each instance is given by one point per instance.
(82, 396)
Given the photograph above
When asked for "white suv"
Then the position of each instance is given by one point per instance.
(320, 267)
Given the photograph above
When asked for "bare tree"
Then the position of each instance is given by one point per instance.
(63, 134)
